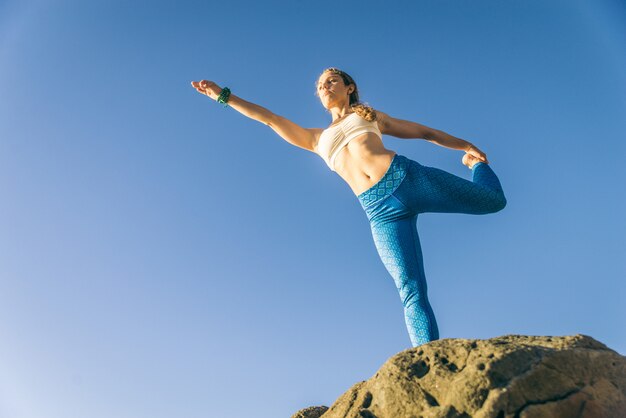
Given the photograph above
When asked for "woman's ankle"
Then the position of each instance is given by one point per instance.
(470, 161)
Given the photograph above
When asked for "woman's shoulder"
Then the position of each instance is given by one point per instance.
(366, 111)
(381, 118)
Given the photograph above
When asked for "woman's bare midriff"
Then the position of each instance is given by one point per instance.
(363, 162)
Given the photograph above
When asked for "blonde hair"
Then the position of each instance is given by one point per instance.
(362, 109)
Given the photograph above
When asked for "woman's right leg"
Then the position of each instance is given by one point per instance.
(399, 249)
(392, 205)
(394, 231)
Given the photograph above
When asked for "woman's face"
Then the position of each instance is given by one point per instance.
(332, 90)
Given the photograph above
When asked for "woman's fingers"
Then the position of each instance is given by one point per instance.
(482, 157)
(200, 84)
(478, 154)
(205, 87)
(196, 85)
(200, 88)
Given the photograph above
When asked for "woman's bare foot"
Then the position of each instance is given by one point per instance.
(469, 160)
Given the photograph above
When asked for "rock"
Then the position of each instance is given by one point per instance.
(311, 412)
(507, 377)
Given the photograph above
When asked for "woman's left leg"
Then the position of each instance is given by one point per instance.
(429, 189)
(392, 206)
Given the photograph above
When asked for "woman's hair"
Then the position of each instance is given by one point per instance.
(361, 109)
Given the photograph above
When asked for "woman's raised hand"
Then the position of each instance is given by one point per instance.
(207, 87)
(475, 152)
(473, 155)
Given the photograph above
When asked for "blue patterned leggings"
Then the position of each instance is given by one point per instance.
(392, 205)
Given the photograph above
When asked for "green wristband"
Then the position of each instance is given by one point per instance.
(224, 96)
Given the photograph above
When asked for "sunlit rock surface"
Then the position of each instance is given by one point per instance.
(513, 376)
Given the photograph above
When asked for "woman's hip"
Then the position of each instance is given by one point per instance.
(378, 198)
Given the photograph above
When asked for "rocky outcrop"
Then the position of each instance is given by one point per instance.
(311, 412)
(507, 377)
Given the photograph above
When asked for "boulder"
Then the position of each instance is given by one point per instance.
(513, 376)
(311, 412)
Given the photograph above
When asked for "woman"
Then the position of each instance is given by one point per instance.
(391, 188)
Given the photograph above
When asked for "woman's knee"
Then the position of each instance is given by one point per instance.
(499, 202)
(495, 202)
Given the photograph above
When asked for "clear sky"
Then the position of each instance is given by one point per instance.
(163, 256)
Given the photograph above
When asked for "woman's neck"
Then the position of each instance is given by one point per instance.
(340, 112)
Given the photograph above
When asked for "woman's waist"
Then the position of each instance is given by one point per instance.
(386, 184)
(362, 169)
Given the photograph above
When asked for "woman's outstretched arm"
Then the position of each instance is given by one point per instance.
(409, 130)
(288, 130)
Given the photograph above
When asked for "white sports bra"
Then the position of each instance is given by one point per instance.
(333, 139)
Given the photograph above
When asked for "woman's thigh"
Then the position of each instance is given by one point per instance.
(429, 189)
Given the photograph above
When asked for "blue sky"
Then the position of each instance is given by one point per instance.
(163, 256)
